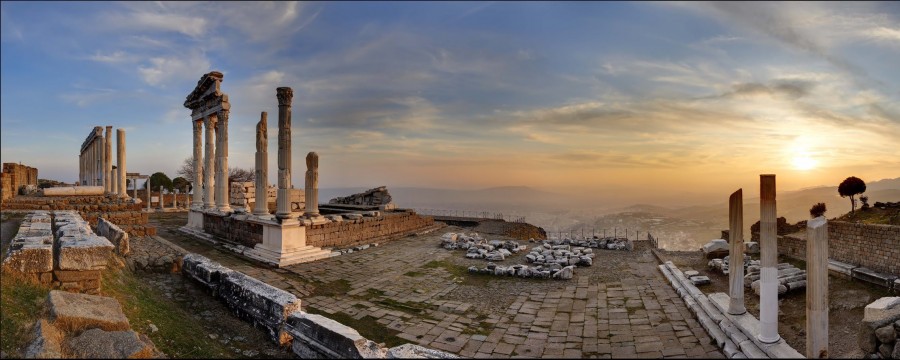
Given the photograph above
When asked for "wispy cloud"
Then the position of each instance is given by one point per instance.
(161, 69)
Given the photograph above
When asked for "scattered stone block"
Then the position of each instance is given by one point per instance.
(46, 342)
(89, 252)
(886, 334)
(204, 270)
(115, 235)
(751, 247)
(100, 344)
(331, 338)
(717, 248)
(412, 351)
(71, 311)
(883, 310)
(262, 304)
(699, 280)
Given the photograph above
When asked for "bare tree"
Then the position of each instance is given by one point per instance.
(234, 173)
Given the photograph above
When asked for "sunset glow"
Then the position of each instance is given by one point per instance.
(632, 99)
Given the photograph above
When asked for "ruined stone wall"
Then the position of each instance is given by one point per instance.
(792, 247)
(122, 212)
(6, 189)
(14, 177)
(874, 246)
(367, 230)
(238, 232)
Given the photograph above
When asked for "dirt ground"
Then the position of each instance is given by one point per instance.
(847, 299)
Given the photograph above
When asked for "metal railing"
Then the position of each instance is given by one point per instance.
(471, 214)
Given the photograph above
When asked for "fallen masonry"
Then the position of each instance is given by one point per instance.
(561, 255)
(879, 332)
(278, 311)
(596, 242)
(552, 271)
(789, 278)
(721, 265)
(717, 248)
(69, 258)
(479, 248)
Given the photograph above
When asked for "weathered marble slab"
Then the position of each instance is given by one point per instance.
(89, 252)
(262, 304)
(330, 338)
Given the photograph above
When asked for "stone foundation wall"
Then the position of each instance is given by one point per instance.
(6, 189)
(873, 246)
(122, 212)
(366, 230)
(792, 247)
(239, 232)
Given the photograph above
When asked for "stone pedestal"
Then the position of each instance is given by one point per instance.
(195, 219)
(768, 294)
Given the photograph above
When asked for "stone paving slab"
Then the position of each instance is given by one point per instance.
(619, 307)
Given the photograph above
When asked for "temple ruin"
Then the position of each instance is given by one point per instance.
(297, 228)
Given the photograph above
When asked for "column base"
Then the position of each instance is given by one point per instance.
(195, 219)
(768, 341)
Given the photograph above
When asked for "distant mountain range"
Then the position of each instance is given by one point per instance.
(794, 205)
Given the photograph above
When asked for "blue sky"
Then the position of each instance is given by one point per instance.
(637, 97)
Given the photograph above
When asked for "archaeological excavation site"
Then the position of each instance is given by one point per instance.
(221, 268)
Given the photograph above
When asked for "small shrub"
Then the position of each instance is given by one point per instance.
(865, 201)
(817, 210)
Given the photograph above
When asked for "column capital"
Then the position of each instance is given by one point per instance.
(285, 96)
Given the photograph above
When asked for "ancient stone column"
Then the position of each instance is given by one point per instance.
(162, 204)
(209, 170)
(113, 177)
(97, 163)
(175, 200)
(736, 259)
(262, 167)
(198, 165)
(817, 288)
(768, 287)
(80, 169)
(148, 193)
(120, 159)
(312, 185)
(107, 160)
(223, 198)
(285, 97)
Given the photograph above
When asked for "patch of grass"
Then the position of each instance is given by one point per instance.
(461, 273)
(413, 274)
(372, 293)
(405, 307)
(334, 288)
(367, 326)
(483, 328)
(22, 303)
(178, 335)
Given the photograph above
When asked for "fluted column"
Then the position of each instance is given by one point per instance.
(285, 97)
(736, 262)
(107, 160)
(261, 207)
(208, 172)
(768, 287)
(120, 159)
(223, 200)
(198, 165)
(162, 203)
(97, 158)
(817, 288)
(312, 185)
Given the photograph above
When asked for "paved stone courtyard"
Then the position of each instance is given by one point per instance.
(411, 290)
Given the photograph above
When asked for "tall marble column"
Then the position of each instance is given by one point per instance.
(198, 165)
(261, 207)
(312, 185)
(97, 161)
(107, 161)
(162, 203)
(175, 200)
(768, 287)
(148, 193)
(736, 264)
(285, 97)
(817, 288)
(120, 159)
(223, 198)
(80, 169)
(209, 170)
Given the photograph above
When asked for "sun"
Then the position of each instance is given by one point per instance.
(804, 162)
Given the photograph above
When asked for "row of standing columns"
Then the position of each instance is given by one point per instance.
(96, 165)
(211, 170)
(816, 269)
